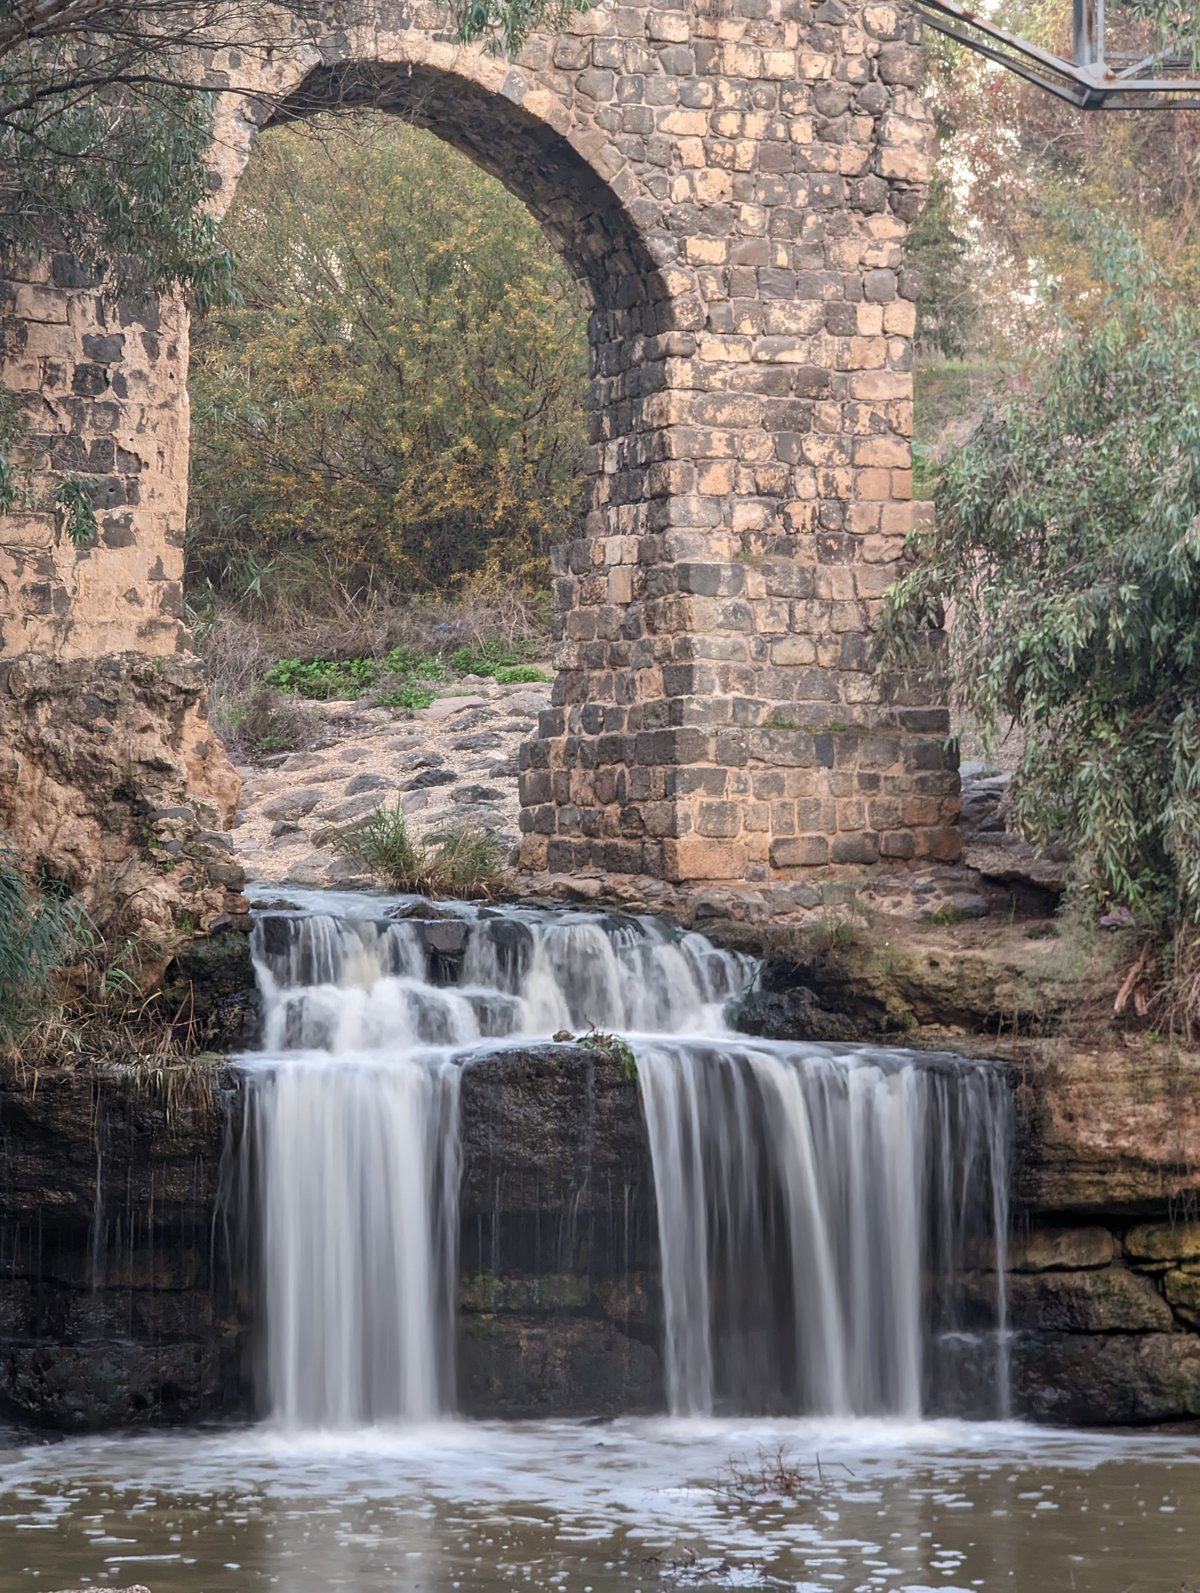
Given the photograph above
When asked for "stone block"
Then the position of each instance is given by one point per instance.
(1163, 1242)
(803, 851)
(1055, 1249)
(1102, 1300)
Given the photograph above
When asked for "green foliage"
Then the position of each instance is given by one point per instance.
(938, 251)
(399, 674)
(521, 675)
(505, 25)
(1068, 543)
(13, 487)
(116, 177)
(73, 503)
(468, 862)
(458, 860)
(486, 657)
(615, 1048)
(398, 400)
(39, 935)
(500, 659)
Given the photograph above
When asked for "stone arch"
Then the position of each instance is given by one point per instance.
(733, 184)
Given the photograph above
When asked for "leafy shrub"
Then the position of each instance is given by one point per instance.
(322, 679)
(410, 697)
(458, 860)
(489, 655)
(269, 721)
(1067, 541)
(39, 934)
(503, 660)
(327, 680)
(399, 397)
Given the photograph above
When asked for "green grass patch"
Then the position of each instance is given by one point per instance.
(401, 675)
(405, 677)
(503, 661)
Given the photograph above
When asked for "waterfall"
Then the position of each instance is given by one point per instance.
(353, 1139)
(814, 1208)
(814, 1203)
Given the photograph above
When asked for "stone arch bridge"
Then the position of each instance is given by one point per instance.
(731, 182)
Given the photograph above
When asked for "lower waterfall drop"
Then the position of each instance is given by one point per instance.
(814, 1208)
(818, 1207)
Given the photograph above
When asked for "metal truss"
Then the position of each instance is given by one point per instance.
(1092, 80)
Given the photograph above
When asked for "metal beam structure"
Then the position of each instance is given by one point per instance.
(1092, 79)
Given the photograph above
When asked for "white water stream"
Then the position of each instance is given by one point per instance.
(813, 1202)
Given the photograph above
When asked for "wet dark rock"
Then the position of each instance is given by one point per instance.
(529, 1367)
(1091, 1379)
(118, 1304)
(210, 985)
(795, 1014)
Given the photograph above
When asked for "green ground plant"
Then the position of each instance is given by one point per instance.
(402, 676)
(615, 1047)
(40, 936)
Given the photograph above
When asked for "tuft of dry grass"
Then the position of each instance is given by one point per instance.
(458, 860)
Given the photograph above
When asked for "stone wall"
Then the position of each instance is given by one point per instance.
(732, 186)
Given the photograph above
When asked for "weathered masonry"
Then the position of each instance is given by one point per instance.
(731, 182)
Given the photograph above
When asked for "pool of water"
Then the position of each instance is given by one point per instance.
(604, 1506)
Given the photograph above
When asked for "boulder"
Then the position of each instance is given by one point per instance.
(294, 804)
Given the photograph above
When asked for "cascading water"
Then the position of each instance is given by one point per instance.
(815, 1204)
(815, 1207)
